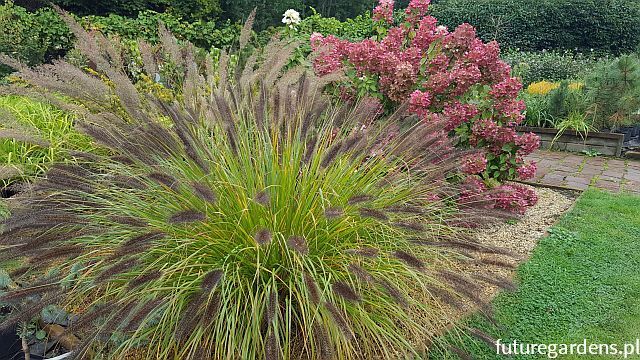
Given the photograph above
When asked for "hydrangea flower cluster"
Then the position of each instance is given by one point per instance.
(384, 11)
(447, 76)
(511, 197)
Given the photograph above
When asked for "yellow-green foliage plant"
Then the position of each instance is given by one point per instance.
(251, 218)
(48, 137)
(544, 87)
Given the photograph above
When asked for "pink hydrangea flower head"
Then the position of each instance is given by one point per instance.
(513, 197)
(417, 9)
(458, 113)
(528, 143)
(316, 40)
(474, 163)
(527, 171)
(384, 11)
(419, 102)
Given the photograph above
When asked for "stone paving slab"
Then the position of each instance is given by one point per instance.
(579, 172)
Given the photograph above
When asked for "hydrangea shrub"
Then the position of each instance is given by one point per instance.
(445, 76)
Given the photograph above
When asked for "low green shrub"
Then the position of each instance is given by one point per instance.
(250, 218)
(550, 65)
(204, 34)
(611, 26)
(40, 36)
(31, 37)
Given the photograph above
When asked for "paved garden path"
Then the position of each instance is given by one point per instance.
(578, 171)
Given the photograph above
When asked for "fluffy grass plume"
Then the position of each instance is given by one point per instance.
(239, 220)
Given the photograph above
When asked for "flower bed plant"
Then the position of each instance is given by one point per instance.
(249, 218)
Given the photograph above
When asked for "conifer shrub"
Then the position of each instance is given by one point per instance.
(249, 217)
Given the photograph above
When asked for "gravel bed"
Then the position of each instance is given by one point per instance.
(522, 235)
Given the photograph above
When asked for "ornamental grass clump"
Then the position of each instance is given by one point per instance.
(249, 218)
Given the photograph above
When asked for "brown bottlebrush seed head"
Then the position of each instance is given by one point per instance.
(263, 237)
(164, 179)
(366, 251)
(144, 238)
(117, 320)
(123, 266)
(357, 199)
(333, 212)
(312, 288)
(461, 353)
(272, 306)
(340, 320)
(394, 292)
(345, 291)
(58, 252)
(406, 209)
(88, 317)
(497, 263)
(361, 273)
(211, 309)
(373, 213)
(272, 349)
(122, 159)
(129, 220)
(496, 280)
(204, 191)
(299, 244)
(187, 216)
(310, 149)
(128, 182)
(484, 337)
(144, 278)
(211, 280)
(331, 155)
(411, 226)
(141, 314)
(262, 198)
(409, 259)
(189, 320)
(20, 294)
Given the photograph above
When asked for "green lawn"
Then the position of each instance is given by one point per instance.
(582, 282)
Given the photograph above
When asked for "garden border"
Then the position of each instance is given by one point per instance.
(609, 144)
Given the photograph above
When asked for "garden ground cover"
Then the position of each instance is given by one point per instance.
(582, 282)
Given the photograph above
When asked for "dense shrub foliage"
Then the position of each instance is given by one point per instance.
(611, 26)
(187, 9)
(246, 218)
(551, 65)
(41, 36)
(449, 77)
(32, 37)
(204, 34)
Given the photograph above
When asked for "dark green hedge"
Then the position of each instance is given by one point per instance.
(611, 26)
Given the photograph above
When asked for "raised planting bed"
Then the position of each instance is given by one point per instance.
(605, 143)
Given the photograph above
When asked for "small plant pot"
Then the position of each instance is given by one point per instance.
(10, 345)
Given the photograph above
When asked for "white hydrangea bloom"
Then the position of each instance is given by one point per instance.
(291, 17)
